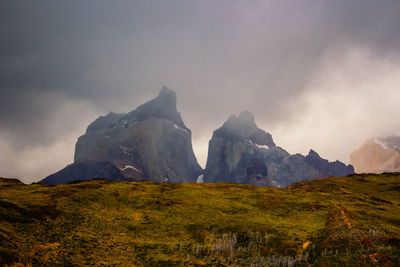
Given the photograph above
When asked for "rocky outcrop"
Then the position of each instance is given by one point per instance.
(377, 155)
(237, 152)
(85, 170)
(153, 143)
(326, 168)
(241, 152)
(149, 143)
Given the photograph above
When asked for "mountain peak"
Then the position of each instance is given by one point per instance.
(165, 91)
(244, 127)
(244, 122)
(163, 107)
(150, 142)
(247, 117)
(313, 154)
(166, 100)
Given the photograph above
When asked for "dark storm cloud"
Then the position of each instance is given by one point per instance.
(219, 56)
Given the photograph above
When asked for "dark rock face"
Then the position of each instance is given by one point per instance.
(244, 127)
(151, 142)
(241, 152)
(103, 122)
(256, 166)
(327, 168)
(256, 173)
(85, 170)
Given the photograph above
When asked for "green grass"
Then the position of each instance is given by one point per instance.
(348, 221)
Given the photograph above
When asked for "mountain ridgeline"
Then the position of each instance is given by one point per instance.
(153, 143)
(148, 143)
(241, 152)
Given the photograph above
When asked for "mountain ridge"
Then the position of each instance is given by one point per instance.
(150, 142)
(153, 143)
(241, 152)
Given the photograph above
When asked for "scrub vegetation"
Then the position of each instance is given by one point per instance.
(352, 220)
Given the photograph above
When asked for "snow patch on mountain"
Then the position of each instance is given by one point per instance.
(130, 167)
(200, 179)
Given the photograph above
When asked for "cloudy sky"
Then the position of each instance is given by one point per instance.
(316, 74)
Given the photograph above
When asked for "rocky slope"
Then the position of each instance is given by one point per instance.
(241, 152)
(85, 170)
(377, 155)
(148, 143)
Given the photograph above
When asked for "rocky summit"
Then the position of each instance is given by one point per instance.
(153, 143)
(241, 152)
(149, 143)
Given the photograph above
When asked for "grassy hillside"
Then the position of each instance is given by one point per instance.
(349, 221)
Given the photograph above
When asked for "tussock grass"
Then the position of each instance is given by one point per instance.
(351, 221)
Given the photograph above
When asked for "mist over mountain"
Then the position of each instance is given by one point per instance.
(153, 143)
(241, 152)
(377, 155)
(149, 143)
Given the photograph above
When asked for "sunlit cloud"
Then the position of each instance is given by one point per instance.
(353, 95)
